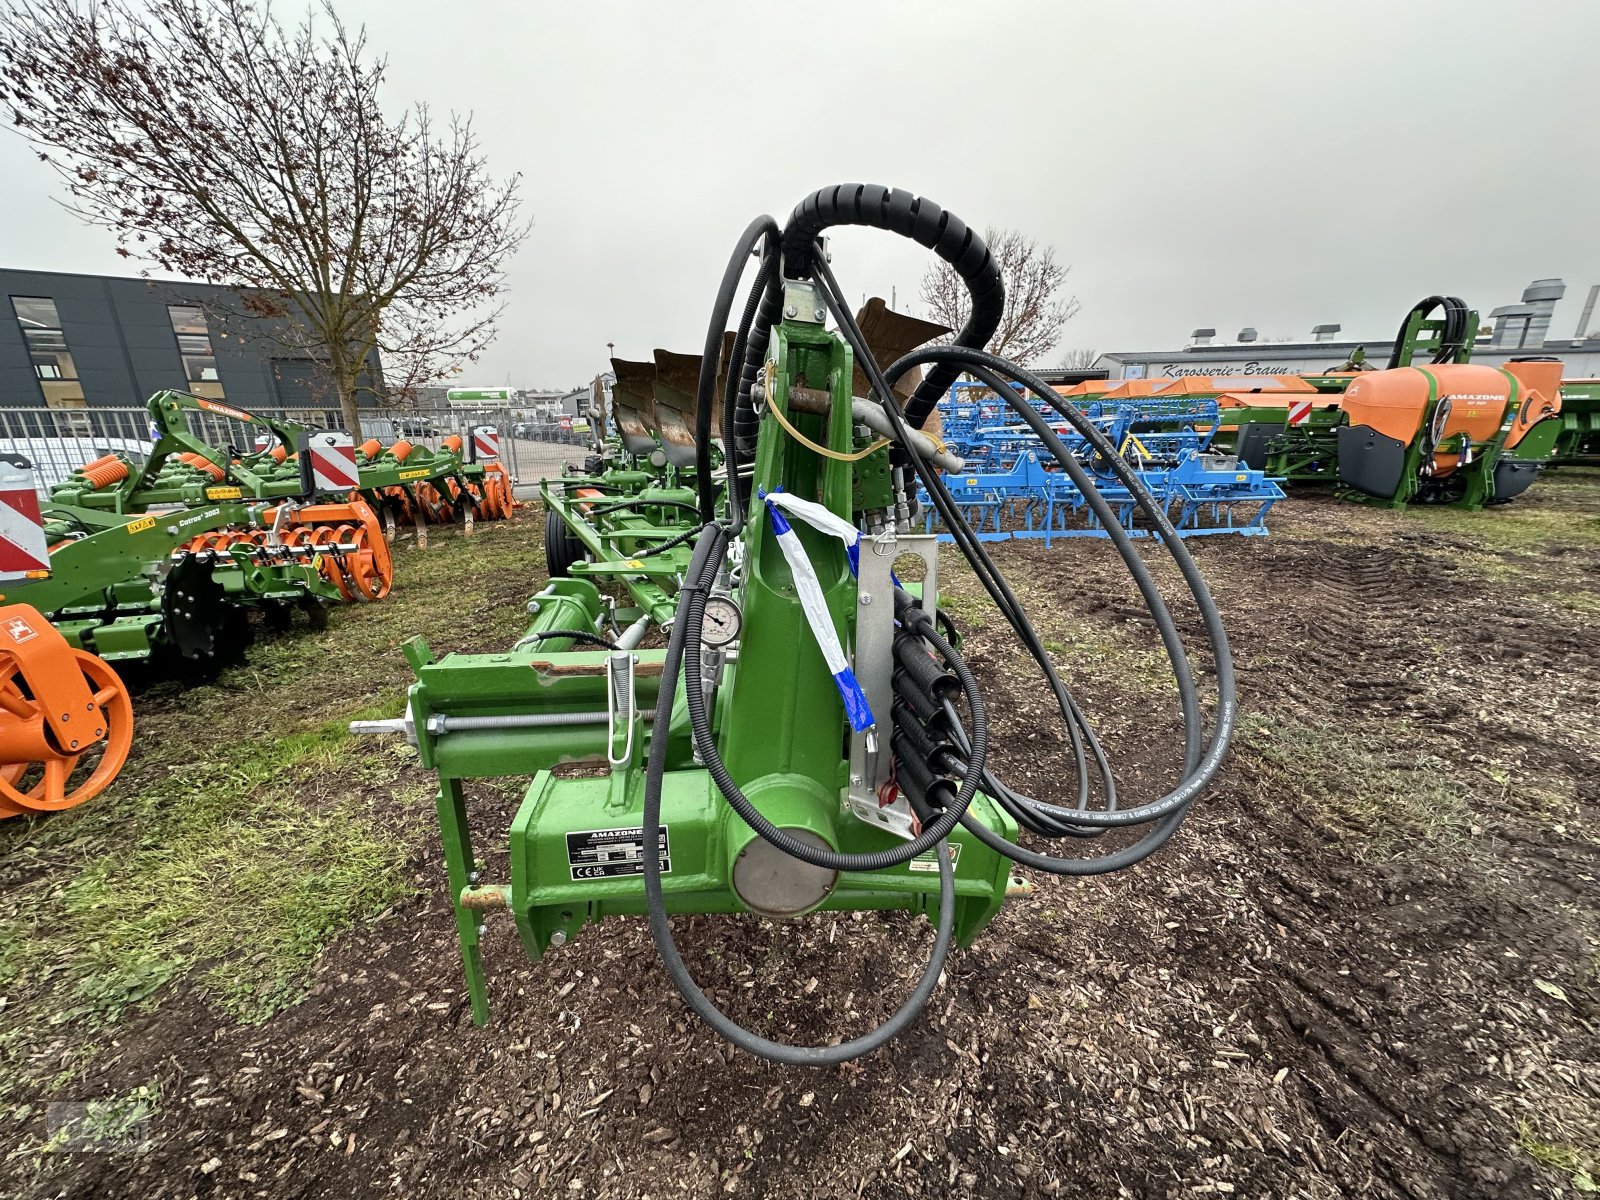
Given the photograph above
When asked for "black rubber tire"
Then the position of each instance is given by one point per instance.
(561, 548)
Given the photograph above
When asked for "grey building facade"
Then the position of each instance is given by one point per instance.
(83, 341)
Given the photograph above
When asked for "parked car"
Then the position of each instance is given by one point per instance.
(414, 426)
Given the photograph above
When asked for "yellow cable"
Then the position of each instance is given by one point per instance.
(836, 455)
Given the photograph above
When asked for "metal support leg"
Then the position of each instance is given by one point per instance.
(459, 867)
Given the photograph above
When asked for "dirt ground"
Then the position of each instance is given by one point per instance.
(1366, 966)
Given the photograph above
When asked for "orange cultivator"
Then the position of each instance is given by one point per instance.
(413, 485)
(66, 723)
(344, 542)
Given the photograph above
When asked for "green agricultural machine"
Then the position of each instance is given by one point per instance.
(177, 580)
(1578, 442)
(402, 482)
(739, 692)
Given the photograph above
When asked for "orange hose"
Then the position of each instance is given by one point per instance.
(401, 450)
(103, 472)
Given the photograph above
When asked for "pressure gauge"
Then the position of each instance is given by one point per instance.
(721, 623)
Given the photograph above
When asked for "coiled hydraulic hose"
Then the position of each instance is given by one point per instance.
(926, 223)
(701, 573)
(1452, 338)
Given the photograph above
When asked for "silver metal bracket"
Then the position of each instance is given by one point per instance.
(803, 302)
(868, 797)
(621, 711)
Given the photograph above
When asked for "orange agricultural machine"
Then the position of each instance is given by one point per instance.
(1432, 427)
(459, 482)
(66, 722)
(1456, 432)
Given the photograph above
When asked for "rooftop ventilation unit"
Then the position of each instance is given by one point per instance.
(1202, 337)
(1324, 333)
(1520, 326)
(1248, 334)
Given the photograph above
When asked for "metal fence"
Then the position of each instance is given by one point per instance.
(56, 441)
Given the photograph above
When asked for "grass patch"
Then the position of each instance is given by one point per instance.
(1518, 528)
(248, 828)
(220, 856)
(1377, 806)
(1585, 603)
(1100, 652)
(1580, 1164)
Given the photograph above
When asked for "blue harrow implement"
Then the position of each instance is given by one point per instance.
(1006, 492)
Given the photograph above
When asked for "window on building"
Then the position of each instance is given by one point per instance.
(47, 347)
(194, 347)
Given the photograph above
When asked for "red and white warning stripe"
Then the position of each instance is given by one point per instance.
(23, 547)
(330, 458)
(1299, 412)
(485, 443)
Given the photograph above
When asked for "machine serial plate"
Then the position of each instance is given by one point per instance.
(602, 853)
(928, 860)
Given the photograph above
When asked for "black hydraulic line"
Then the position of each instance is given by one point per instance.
(702, 571)
(1199, 768)
(577, 635)
(1200, 772)
(1166, 824)
(924, 222)
(746, 421)
(676, 540)
(641, 502)
(1153, 599)
(757, 231)
(731, 454)
(1453, 336)
(989, 575)
(711, 758)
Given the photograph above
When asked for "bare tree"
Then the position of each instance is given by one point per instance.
(223, 147)
(1078, 360)
(1034, 311)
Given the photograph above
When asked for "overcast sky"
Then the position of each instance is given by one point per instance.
(1277, 164)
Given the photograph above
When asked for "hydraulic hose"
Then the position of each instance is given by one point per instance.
(702, 570)
(947, 744)
(641, 502)
(705, 744)
(983, 566)
(1452, 338)
(731, 447)
(762, 228)
(924, 222)
(1197, 773)
(1169, 809)
(670, 543)
(577, 635)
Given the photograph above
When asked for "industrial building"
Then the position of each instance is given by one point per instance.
(82, 341)
(1518, 330)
